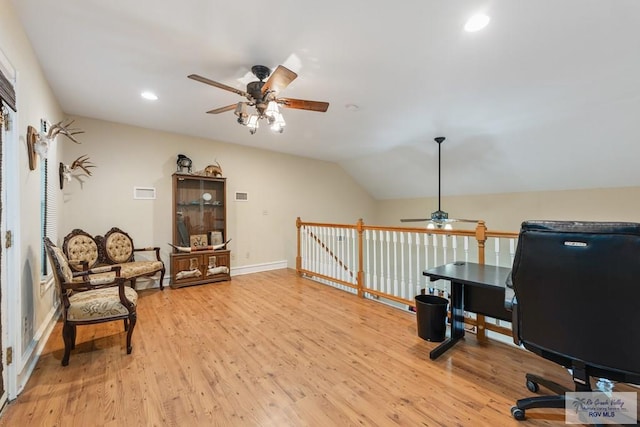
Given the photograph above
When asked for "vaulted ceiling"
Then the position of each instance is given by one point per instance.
(546, 97)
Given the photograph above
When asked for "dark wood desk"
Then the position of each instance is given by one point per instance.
(474, 287)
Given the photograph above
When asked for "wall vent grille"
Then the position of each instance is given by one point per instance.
(144, 193)
(242, 196)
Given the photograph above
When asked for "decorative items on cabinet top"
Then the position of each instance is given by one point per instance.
(183, 162)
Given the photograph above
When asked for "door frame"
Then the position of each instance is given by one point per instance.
(10, 220)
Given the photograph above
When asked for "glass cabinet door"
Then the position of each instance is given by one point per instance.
(199, 211)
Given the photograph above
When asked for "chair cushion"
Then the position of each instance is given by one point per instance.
(119, 247)
(99, 304)
(66, 272)
(82, 248)
(134, 269)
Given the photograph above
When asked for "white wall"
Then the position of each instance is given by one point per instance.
(281, 187)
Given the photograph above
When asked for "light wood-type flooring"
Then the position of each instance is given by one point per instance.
(273, 349)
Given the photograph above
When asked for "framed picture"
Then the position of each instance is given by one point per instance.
(198, 240)
(216, 237)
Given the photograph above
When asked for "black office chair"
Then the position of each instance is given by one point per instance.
(577, 303)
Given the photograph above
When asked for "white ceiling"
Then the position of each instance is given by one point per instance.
(546, 97)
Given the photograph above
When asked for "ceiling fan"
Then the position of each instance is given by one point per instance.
(439, 218)
(264, 96)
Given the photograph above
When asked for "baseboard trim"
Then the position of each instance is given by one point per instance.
(150, 283)
(257, 268)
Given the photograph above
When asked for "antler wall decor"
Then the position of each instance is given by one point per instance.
(67, 171)
(39, 144)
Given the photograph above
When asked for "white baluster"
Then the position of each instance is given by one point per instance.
(427, 282)
(434, 244)
(316, 250)
(344, 255)
(497, 251)
(367, 263)
(465, 239)
(418, 264)
(409, 288)
(387, 287)
(376, 277)
(354, 255)
(512, 250)
(444, 248)
(454, 247)
(402, 284)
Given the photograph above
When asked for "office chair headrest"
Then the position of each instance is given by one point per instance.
(592, 227)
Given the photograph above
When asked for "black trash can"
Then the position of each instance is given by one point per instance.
(431, 312)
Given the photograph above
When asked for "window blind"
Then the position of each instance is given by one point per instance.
(7, 92)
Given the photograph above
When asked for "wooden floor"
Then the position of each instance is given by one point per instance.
(272, 349)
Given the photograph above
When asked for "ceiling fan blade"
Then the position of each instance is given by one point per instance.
(462, 220)
(216, 84)
(279, 80)
(415, 219)
(303, 104)
(222, 109)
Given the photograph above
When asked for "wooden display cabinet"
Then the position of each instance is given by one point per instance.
(199, 221)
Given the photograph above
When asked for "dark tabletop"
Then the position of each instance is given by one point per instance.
(470, 273)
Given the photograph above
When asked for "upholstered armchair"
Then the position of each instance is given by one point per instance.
(91, 296)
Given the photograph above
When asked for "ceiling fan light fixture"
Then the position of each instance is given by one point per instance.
(253, 124)
(278, 123)
(241, 112)
(439, 215)
(272, 110)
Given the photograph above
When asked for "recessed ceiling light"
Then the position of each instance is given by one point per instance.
(352, 107)
(476, 22)
(149, 95)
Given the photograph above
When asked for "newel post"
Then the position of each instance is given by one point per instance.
(481, 237)
(360, 279)
(298, 255)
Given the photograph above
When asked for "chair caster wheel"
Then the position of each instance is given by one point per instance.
(517, 413)
(532, 386)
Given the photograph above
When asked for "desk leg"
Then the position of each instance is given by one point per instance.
(457, 321)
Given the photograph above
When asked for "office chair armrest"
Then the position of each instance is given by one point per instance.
(511, 304)
(515, 322)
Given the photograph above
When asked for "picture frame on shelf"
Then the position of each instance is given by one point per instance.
(198, 240)
(216, 237)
